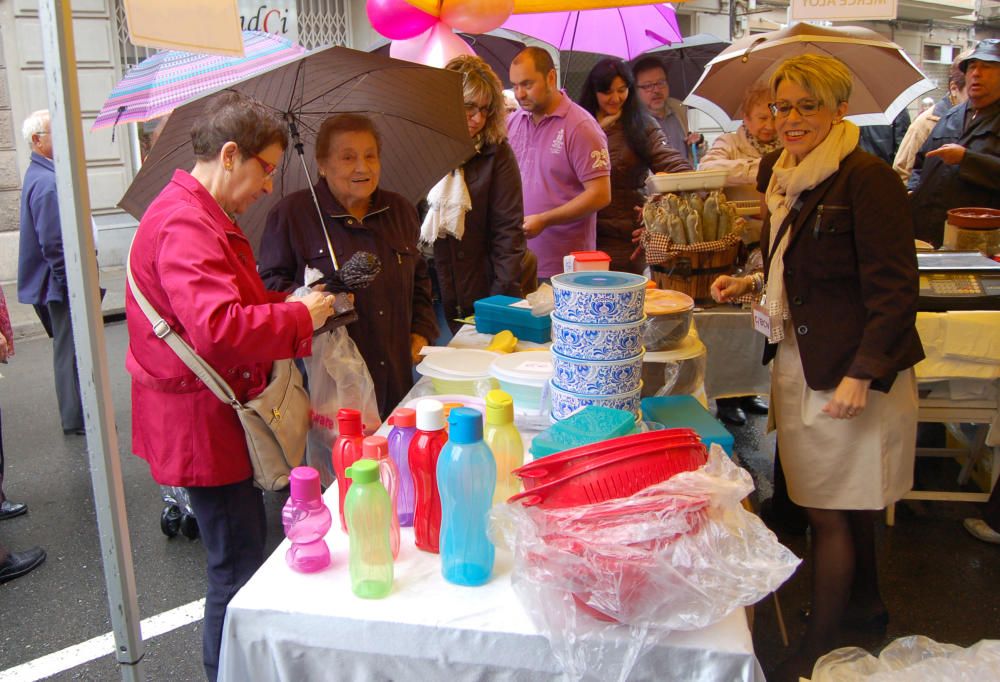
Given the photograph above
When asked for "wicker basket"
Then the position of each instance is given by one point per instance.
(690, 268)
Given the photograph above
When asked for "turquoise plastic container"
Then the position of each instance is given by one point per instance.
(592, 424)
(494, 314)
(684, 411)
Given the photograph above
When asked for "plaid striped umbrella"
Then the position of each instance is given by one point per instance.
(169, 78)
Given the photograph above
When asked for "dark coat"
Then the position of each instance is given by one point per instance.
(975, 181)
(41, 266)
(617, 220)
(883, 141)
(850, 275)
(396, 304)
(487, 261)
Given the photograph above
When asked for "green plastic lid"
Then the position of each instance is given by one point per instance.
(363, 471)
(592, 424)
(499, 407)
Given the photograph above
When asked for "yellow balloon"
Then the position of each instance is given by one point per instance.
(475, 16)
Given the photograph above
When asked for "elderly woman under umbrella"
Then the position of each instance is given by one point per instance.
(395, 313)
(194, 265)
(840, 276)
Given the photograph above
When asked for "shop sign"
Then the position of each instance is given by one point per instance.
(154, 23)
(278, 17)
(843, 10)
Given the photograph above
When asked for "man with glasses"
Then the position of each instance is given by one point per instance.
(959, 164)
(654, 91)
(41, 267)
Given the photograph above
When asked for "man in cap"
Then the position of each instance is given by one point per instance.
(959, 164)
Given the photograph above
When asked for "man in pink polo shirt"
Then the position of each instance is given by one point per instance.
(565, 167)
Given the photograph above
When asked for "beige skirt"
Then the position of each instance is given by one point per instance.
(860, 463)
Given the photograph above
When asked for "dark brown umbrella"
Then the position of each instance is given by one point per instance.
(417, 110)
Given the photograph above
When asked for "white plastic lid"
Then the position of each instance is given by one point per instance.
(531, 368)
(458, 363)
(430, 415)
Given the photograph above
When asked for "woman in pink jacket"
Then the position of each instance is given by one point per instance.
(194, 264)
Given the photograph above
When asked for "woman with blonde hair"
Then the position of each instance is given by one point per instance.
(473, 225)
(840, 283)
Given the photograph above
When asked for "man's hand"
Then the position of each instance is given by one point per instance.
(4, 348)
(694, 138)
(533, 225)
(849, 399)
(950, 153)
(417, 343)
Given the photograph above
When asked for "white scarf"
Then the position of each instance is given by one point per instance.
(788, 181)
(448, 201)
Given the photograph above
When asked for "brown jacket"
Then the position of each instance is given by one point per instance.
(850, 275)
(617, 220)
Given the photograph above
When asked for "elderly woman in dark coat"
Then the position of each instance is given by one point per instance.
(483, 257)
(395, 315)
(637, 146)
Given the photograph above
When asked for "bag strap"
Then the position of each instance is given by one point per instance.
(215, 383)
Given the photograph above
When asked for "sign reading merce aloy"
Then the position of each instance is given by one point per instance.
(843, 10)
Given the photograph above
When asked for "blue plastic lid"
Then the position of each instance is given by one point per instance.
(465, 425)
(595, 279)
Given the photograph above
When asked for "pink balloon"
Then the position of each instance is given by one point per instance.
(476, 16)
(409, 49)
(436, 47)
(398, 19)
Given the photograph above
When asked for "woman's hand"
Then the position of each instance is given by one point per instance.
(319, 304)
(726, 288)
(4, 348)
(849, 399)
(417, 343)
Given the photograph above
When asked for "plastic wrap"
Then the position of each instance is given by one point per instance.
(679, 555)
(912, 659)
(542, 301)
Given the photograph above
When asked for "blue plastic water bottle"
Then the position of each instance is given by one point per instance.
(466, 479)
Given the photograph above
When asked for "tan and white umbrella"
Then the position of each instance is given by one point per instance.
(885, 79)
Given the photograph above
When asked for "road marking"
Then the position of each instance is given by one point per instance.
(104, 645)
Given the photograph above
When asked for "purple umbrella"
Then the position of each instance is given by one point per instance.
(621, 31)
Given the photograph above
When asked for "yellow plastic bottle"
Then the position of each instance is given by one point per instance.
(504, 440)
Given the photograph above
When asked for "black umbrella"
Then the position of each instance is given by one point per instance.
(684, 62)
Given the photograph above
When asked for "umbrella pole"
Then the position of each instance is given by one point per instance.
(293, 131)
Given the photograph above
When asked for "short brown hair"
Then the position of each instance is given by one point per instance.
(234, 117)
(344, 123)
(539, 57)
(479, 82)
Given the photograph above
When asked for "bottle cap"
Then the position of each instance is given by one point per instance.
(375, 447)
(363, 471)
(403, 417)
(499, 407)
(349, 422)
(305, 484)
(430, 415)
(466, 425)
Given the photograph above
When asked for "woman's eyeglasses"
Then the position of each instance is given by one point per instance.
(471, 109)
(805, 107)
(266, 166)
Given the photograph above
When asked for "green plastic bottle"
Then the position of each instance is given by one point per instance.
(368, 510)
(505, 441)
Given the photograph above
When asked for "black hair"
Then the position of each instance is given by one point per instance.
(633, 113)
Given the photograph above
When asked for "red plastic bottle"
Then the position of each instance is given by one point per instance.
(347, 450)
(424, 450)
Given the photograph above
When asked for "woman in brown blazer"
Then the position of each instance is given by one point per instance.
(840, 291)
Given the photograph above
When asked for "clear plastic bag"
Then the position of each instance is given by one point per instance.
(912, 659)
(542, 301)
(598, 580)
(338, 377)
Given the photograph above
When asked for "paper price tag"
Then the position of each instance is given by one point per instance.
(762, 320)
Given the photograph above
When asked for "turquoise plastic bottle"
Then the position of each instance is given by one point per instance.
(466, 479)
(505, 442)
(368, 509)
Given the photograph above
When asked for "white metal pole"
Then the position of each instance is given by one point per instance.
(88, 332)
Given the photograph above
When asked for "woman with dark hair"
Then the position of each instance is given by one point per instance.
(637, 147)
(195, 266)
(479, 245)
(395, 313)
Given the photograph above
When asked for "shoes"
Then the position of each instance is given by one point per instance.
(9, 510)
(754, 404)
(730, 412)
(19, 563)
(872, 622)
(981, 531)
(75, 432)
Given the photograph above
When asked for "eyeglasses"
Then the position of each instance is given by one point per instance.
(655, 85)
(471, 109)
(805, 107)
(268, 167)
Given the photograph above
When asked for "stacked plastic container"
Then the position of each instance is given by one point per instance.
(597, 351)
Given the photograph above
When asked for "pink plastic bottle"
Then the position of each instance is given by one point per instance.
(404, 428)
(346, 451)
(306, 520)
(377, 448)
(424, 450)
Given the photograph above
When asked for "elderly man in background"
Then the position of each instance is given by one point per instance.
(654, 91)
(563, 157)
(959, 165)
(41, 267)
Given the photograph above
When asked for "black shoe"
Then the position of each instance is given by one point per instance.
(9, 510)
(754, 404)
(731, 413)
(75, 432)
(19, 563)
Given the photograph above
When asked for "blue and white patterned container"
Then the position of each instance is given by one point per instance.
(565, 403)
(597, 377)
(599, 297)
(597, 341)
